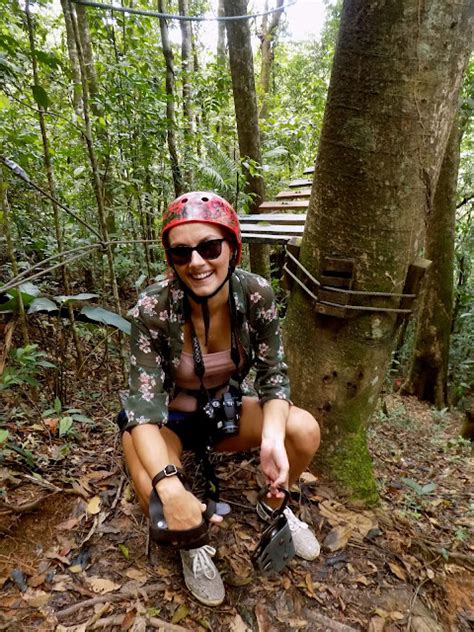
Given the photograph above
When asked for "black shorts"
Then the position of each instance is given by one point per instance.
(187, 426)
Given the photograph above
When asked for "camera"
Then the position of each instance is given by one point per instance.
(223, 413)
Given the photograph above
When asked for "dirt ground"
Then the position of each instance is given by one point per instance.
(73, 555)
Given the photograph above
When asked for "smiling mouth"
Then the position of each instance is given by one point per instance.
(201, 277)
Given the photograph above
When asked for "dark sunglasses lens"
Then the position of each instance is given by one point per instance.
(181, 254)
(210, 249)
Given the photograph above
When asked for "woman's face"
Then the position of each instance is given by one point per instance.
(202, 276)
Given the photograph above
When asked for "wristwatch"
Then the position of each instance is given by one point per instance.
(166, 472)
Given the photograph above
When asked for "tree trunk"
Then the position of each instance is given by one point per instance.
(86, 46)
(429, 369)
(170, 103)
(394, 88)
(220, 52)
(72, 54)
(246, 112)
(187, 71)
(10, 248)
(52, 185)
(267, 48)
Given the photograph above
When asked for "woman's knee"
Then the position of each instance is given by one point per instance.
(303, 431)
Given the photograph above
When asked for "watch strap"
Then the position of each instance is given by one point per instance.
(166, 472)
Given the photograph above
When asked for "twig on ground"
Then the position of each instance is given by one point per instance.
(26, 507)
(413, 601)
(148, 590)
(327, 623)
(42, 483)
(118, 493)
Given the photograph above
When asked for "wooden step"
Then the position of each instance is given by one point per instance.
(284, 195)
(273, 229)
(296, 184)
(273, 218)
(281, 206)
(308, 170)
(257, 238)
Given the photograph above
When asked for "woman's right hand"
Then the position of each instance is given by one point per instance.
(182, 510)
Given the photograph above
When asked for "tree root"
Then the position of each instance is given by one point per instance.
(147, 590)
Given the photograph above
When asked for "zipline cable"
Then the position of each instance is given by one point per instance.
(182, 18)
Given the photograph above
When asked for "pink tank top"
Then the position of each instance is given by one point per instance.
(219, 368)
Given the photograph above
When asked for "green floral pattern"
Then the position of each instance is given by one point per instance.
(157, 341)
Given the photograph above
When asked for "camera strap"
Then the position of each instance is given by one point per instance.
(204, 450)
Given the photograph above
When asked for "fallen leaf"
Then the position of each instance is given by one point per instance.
(376, 624)
(180, 613)
(51, 423)
(308, 479)
(397, 571)
(361, 522)
(93, 506)
(396, 616)
(139, 576)
(36, 581)
(237, 624)
(124, 550)
(337, 538)
(309, 584)
(68, 524)
(101, 586)
(128, 620)
(362, 579)
(37, 599)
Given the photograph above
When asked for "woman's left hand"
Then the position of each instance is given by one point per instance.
(274, 464)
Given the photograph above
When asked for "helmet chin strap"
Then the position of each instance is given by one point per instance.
(203, 300)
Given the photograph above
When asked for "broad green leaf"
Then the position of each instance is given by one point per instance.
(3, 435)
(65, 425)
(42, 304)
(57, 405)
(40, 96)
(180, 613)
(83, 419)
(104, 316)
(124, 551)
(85, 296)
(4, 102)
(28, 293)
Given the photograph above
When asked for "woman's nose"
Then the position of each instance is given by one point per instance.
(196, 259)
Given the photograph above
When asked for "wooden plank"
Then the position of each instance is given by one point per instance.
(273, 218)
(289, 195)
(252, 238)
(272, 229)
(296, 184)
(281, 206)
(308, 170)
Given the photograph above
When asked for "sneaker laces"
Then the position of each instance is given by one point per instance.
(293, 522)
(202, 562)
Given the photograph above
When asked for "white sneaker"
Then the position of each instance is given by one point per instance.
(304, 540)
(201, 575)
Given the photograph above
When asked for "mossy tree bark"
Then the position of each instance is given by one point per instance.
(246, 113)
(393, 94)
(428, 374)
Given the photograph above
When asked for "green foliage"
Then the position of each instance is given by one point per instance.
(66, 418)
(26, 363)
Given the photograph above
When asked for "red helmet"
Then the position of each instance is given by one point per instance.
(203, 206)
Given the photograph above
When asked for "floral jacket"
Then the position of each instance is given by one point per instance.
(157, 341)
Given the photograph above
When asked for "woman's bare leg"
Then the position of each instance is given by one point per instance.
(140, 478)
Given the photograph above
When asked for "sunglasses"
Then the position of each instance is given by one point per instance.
(208, 250)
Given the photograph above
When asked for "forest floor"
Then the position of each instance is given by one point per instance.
(73, 555)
